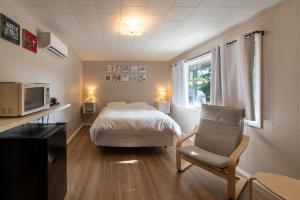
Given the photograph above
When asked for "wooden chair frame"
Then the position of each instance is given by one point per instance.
(235, 183)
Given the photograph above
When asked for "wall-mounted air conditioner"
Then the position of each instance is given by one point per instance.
(52, 44)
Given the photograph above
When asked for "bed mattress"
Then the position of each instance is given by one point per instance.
(132, 120)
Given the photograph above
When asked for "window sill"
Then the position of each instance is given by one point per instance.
(193, 108)
(196, 108)
(255, 124)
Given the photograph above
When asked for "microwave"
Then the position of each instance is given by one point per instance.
(19, 99)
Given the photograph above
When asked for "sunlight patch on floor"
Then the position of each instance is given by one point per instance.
(128, 162)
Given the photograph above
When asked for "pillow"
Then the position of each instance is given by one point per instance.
(117, 103)
(138, 104)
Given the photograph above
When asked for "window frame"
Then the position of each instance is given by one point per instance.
(188, 64)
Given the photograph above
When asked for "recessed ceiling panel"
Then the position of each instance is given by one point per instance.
(91, 28)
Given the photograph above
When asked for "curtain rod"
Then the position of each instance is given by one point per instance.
(193, 57)
(197, 56)
(227, 44)
(247, 36)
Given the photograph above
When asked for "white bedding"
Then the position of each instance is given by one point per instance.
(133, 119)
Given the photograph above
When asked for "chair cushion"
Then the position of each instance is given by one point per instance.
(207, 157)
(220, 129)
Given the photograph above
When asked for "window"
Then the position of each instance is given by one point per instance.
(199, 77)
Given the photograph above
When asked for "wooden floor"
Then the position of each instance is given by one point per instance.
(134, 174)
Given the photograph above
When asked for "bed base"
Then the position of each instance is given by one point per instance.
(135, 140)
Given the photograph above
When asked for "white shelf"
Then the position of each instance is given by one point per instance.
(12, 122)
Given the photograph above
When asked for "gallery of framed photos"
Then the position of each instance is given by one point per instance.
(125, 73)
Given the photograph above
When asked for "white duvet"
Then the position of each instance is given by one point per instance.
(133, 119)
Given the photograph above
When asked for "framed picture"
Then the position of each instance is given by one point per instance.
(107, 68)
(143, 77)
(29, 41)
(142, 69)
(107, 77)
(9, 29)
(125, 77)
(134, 68)
(125, 68)
(134, 77)
(116, 76)
(117, 68)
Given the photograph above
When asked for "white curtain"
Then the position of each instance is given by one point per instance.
(180, 84)
(246, 51)
(231, 79)
(230, 76)
(216, 86)
(235, 64)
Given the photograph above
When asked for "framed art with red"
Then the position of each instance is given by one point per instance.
(29, 41)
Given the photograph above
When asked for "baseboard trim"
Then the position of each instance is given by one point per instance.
(74, 134)
(243, 173)
(77, 131)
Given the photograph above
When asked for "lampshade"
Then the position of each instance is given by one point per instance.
(91, 95)
(162, 95)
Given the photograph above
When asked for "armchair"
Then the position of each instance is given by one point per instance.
(219, 143)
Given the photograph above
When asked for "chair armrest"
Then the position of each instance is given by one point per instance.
(234, 157)
(180, 141)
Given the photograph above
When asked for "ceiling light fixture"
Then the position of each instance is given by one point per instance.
(132, 26)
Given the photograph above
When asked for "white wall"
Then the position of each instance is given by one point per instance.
(158, 76)
(20, 65)
(275, 147)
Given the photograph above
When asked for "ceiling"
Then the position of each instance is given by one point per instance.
(91, 27)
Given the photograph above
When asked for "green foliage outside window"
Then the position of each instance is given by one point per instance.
(199, 83)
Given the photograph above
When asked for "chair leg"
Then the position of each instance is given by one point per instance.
(250, 187)
(231, 187)
(178, 162)
(231, 182)
(235, 185)
(180, 167)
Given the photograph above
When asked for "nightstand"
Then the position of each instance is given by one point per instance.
(89, 107)
(164, 107)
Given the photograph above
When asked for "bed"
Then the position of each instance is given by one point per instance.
(133, 125)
